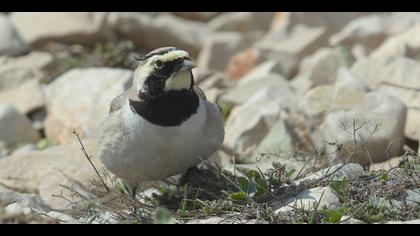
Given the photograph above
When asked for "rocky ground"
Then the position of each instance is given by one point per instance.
(322, 116)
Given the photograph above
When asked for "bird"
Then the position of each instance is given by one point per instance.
(163, 124)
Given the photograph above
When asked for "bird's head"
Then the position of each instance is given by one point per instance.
(163, 70)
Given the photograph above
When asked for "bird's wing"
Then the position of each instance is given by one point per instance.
(200, 93)
(203, 96)
(118, 101)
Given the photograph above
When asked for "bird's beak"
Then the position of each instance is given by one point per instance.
(187, 65)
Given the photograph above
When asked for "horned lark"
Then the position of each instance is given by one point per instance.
(163, 124)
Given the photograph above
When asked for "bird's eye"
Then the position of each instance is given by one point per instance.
(159, 63)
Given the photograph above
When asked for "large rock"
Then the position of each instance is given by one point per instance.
(261, 71)
(38, 28)
(321, 67)
(161, 31)
(43, 171)
(386, 165)
(325, 197)
(368, 132)
(30, 200)
(80, 99)
(241, 21)
(399, 77)
(26, 98)
(34, 60)
(4, 151)
(406, 44)
(249, 123)
(15, 128)
(299, 41)
(367, 31)
(402, 21)
(13, 78)
(241, 63)
(253, 63)
(219, 47)
(350, 171)
(10, 42)
(281, 141)
(321, 100)
(332, 21)
(244, 91)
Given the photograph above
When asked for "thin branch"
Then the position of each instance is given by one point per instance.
(75, 132)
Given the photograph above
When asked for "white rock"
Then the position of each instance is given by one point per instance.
(405, 44)
(386, 165)
(350, 170)
(243, 92)
(379, 120)
(416, 222)
(27, 148)
(241, 21)
(211, 220)
(10, 42)
(332, 21)
(348, 91)
(261, 71)
(281, 141)
(346, 79)
(402, 21)
(37, 28)
(368, 31)
(17, 209)
(62, 218)
(321, 67)
(286, 64)
(27, 200)
(248, 124)
(300, 41)
(219, 47)
(44, 171)
(317, 102)
(36, 60)
(161, 31)
(396, 76)
(26, 98)
(15, 77)
(350, 220)
(217, 80)
(81, 99)
(15, 128)
(308, 199)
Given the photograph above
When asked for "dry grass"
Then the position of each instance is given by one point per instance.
(207, 191)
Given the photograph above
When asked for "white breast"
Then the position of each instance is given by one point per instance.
(154, 151)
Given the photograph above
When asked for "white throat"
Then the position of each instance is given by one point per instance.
(179, 81)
